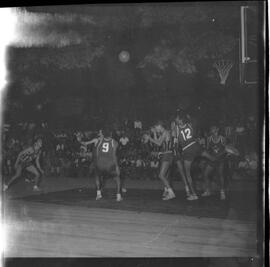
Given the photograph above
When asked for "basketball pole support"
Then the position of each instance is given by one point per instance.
(242, 44)
(244, 59)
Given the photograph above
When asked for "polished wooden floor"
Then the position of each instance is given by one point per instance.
(49, 230)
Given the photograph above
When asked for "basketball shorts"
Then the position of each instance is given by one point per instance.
(167, 157)
(219, 160)
(178, 156)
(26, 164)
(105, 168)
(191, 152)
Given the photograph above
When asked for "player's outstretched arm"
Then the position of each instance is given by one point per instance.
(93, 141)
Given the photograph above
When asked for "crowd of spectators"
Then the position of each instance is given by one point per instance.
(63, 154)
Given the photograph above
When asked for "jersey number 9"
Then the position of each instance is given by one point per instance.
(105, 147)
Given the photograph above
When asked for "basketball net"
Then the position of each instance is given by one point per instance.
(223, 67)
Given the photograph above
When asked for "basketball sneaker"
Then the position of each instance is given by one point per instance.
(5, 187)
(206, 193)
(192, 197)
(187, 191)
(119, 198)
(165, 192)
(99, 196)
(222, 195)
(170, 194)
(36, 188)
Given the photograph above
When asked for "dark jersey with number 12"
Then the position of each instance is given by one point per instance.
(185, 135)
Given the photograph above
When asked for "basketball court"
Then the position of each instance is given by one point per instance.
(71, 223)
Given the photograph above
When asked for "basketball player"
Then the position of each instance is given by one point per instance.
(178, 156)
(105, 162)
(190, 150)
(92, 167)
(216, 145)
(165, 142)
(28, 160)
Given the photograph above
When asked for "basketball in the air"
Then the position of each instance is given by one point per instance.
(124, 56)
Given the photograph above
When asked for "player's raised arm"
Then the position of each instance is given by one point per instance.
(160, 140)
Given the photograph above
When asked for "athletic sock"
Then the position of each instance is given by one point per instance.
(170, 191)
(118, 197)
(187, 190)
(36, 188)
(222, 194)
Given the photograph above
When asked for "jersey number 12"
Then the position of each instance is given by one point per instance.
(186, 134)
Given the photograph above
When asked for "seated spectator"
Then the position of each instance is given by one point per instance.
(202, 139)
(250, 162)
(82, 161)
(137, 124)
(139, 163)
(124, 140)
(132, 161)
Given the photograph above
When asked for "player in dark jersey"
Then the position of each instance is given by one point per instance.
(28, 159)
(216, 146)
(190, 149)
(178, 156)
(105, 162)
(165, 142)
(92, 167)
